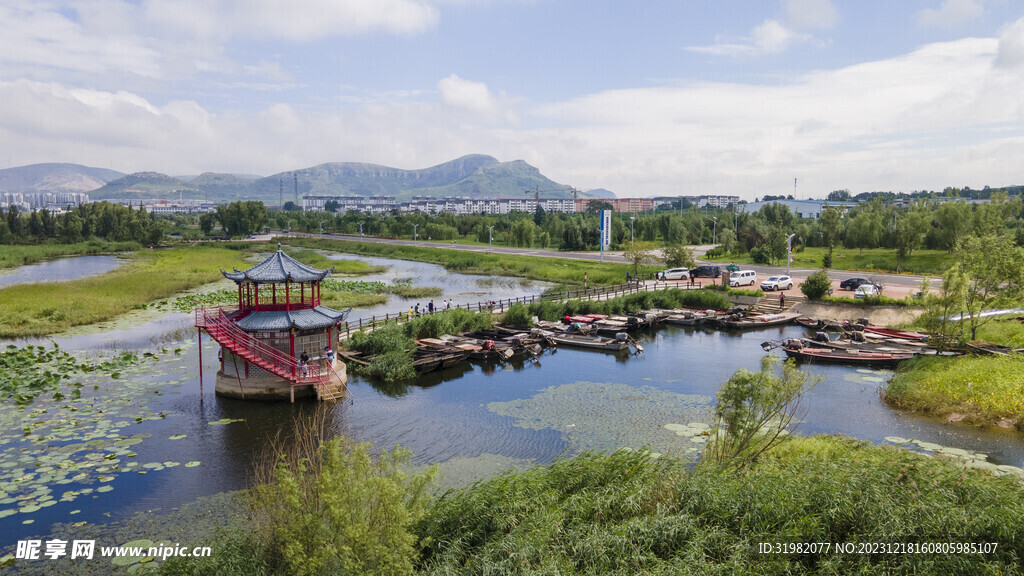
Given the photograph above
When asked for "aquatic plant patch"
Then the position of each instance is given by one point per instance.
(608, 416)
(28, 371)
(64, 447)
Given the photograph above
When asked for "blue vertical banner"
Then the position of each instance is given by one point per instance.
(606, 229)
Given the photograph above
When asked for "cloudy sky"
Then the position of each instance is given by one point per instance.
(657, 97)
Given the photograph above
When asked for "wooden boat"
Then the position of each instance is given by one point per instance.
(983, 347)
(759, 321)
(892, 333)
(848, 356)
(428, 360)
(691, 317)
(590, 342)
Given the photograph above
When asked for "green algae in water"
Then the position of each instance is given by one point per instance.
(608, 416)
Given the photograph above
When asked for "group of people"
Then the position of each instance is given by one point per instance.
(430, 308)
(327, 356)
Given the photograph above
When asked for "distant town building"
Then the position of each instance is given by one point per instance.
(432, 205)
(618, 204)
(807, 209)
(41, 200)
(714, 201)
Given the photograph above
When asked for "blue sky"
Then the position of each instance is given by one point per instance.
(643, 98)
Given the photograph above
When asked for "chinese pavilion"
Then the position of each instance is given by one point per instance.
(278, 320)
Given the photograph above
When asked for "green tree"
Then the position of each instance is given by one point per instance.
(639, 253)
(993, 270)
(754, 412)
(832, 227)
(678, 256)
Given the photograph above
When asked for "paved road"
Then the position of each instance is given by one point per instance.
(896, 285)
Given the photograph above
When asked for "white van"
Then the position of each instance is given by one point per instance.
(743, 278)
(676, 274)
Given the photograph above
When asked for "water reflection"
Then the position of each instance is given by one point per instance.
(61, 269)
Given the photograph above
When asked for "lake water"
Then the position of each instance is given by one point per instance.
(86, 454)
(60, 270)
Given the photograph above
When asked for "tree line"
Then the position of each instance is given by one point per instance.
(97, 220)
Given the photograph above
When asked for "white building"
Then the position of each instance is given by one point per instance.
(809, 209)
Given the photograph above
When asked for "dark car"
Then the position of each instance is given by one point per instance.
(853, 283)
(706, 272)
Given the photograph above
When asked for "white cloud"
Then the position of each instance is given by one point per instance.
(802, 14)
(940, 115)
(475, 97)
(772, 35)
(951, 13)
(1011, 46)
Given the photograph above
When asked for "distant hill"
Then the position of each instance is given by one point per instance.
(600, 193)
(475, 175)
(146, 186)
(55, 178)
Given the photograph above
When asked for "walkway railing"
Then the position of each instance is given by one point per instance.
(596, 293)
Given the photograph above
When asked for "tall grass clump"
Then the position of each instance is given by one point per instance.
(454, 321)
(391, 349)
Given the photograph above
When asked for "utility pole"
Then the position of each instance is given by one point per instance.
(714, 231)
(631, 236)
(789, 251)
(280, 191)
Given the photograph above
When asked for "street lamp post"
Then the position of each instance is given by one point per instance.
(321, 223)
(789, 251)
(714, 231)
(414, 236)
(360, 229)
(490, 237)
(631, 236)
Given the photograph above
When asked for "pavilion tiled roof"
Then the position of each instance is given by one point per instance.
(306, 319)
(278, 268)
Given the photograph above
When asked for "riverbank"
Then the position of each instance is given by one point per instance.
(558, 270)
(632, 512)
(985, 390)
(47, 308)
(18, 255)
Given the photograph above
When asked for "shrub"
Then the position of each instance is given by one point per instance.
(826, 260)
(517, 315)
(388, 338)
(341, 511)
(817, 285)
(761, 255)
(754, 413)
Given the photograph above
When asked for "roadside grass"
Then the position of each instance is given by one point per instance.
(47, 308)
(557, 270)
(18, 255)
(632, 513)
(984, 389)
(869, 260)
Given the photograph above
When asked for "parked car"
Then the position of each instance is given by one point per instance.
(853, 283)
(743, 278)
(706, 272)
(866, 290)
(777, 283)
(675, 274)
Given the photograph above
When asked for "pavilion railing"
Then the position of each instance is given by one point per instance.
(219, 325)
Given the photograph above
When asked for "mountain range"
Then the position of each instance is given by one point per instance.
(475, 175)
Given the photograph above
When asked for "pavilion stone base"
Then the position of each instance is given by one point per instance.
(269, 388)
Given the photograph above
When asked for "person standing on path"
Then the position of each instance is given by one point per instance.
(782, 300)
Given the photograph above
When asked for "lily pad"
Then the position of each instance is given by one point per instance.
(224, 421)
(192, 464)
(105, 488)
(177, 437)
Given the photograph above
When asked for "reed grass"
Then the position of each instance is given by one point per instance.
(629, 513)
(47, 308)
